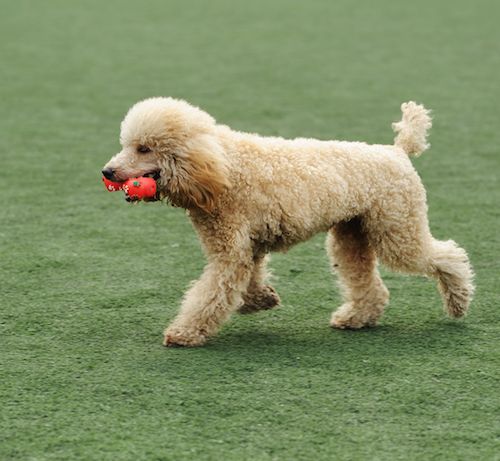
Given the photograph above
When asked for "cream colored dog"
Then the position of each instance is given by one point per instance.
(248, 195)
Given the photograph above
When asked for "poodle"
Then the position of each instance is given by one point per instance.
(248, 195)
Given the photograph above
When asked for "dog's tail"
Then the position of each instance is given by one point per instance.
(412, 129)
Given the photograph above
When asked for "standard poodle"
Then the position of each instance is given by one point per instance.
(248, 195)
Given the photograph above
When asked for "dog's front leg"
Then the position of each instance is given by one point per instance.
(212, 299)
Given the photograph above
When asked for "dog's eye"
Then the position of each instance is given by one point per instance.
(143, 149)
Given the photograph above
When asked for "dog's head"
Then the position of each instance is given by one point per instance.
(175, 143)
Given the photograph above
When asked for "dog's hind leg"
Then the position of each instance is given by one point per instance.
(352, 257)
(443, 260)
(450, 265)
(259, 295)
(408, 246)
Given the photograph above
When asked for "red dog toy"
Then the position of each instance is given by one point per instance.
(135, 188)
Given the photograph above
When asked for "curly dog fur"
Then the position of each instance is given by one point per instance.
(248, 195)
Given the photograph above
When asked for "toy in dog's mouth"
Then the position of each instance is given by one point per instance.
(144, 187)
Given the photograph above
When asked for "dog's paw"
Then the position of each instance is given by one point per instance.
(265, 299)
(177, 336)
(347, 317)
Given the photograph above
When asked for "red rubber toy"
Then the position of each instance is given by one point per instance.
(140, 188)
(112, 186)
(134, 188)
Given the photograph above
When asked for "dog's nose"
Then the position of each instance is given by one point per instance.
(108, 173)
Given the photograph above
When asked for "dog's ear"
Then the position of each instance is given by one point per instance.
(201, 175)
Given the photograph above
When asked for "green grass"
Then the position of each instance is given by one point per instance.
(88, 283)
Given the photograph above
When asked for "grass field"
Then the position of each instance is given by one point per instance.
(88, 282)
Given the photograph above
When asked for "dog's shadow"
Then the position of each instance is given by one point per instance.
(332, 350)
(392, 340)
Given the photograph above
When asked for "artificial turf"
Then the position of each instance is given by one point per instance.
(88, 282)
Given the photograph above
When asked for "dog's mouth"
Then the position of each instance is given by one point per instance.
(153, 174)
